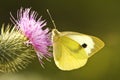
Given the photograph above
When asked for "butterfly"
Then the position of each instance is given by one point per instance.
(71, 50)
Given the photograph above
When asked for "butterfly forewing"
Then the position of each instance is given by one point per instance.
(94, 44)
(99, 44)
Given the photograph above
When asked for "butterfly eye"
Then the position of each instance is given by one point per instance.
(84, 45)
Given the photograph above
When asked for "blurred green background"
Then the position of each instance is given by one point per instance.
(100, 18)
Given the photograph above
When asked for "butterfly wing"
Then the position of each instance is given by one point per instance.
(68, 54)
(94, 44)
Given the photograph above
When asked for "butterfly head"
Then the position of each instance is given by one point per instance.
(55, 35)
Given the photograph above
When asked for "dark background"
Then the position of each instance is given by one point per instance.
(100, 18)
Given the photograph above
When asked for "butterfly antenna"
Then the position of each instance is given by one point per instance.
(51, 18)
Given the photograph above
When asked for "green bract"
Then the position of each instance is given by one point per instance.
(14, 54)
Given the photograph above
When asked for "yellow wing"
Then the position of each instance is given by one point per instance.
(68, 54)
(94, 44)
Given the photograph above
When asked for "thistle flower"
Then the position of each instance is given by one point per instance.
(14, 55)
(28, 24)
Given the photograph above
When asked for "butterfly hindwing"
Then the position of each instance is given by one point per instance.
(68, 54)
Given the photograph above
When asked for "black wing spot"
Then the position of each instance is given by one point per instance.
(84, 45)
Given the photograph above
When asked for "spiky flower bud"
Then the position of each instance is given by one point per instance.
(14, 54)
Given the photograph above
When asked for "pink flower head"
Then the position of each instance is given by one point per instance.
(32, 28)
